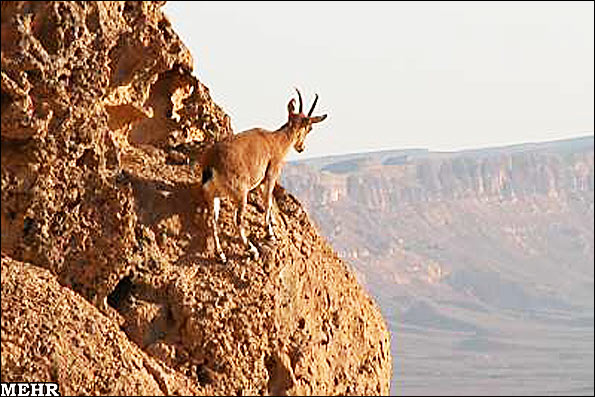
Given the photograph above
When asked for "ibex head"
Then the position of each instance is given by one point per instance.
(301, 124)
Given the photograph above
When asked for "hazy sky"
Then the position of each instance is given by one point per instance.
(443, 76)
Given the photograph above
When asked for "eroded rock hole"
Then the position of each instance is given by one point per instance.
(34, 75)
(28, 225)
(44, 28)
(92, 20)
(121, 292)
(202, 374)
(301, 323)
(163, 25)
(279, 376)
(88, 159)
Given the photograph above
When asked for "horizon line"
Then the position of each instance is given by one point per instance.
(417, 148)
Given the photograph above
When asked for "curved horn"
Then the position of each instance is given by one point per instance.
(313, 106)
(291, 106)
(301, 103)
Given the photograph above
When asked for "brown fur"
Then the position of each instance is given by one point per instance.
(236, 165)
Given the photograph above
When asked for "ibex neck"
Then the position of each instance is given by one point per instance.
(286, 136)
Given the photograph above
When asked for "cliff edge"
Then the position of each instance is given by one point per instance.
(109, 282)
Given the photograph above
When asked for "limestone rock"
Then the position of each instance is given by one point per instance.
(97, 205)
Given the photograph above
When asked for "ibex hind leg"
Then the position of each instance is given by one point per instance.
(213, 204)
(269, 218)
(239, 216)
(270, 181)
(214, 217)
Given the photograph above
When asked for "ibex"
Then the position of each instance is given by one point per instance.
(239, 164)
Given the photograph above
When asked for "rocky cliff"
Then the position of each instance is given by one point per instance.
(106, 264)
(482, 259)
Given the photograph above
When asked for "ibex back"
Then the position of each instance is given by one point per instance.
(235, 166)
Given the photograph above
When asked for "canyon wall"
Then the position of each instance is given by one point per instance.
(482, 259)
(386, 181)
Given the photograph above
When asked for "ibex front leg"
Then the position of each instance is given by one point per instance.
(270, 180)
(239, 215)
(268, 217)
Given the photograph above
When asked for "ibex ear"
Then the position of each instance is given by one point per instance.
(317, 119)
(291, 106)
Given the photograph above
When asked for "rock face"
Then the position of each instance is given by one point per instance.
(97, 216)
(50, 333)
(483, 246)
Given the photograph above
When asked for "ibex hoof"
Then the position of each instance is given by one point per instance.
(222, 257)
